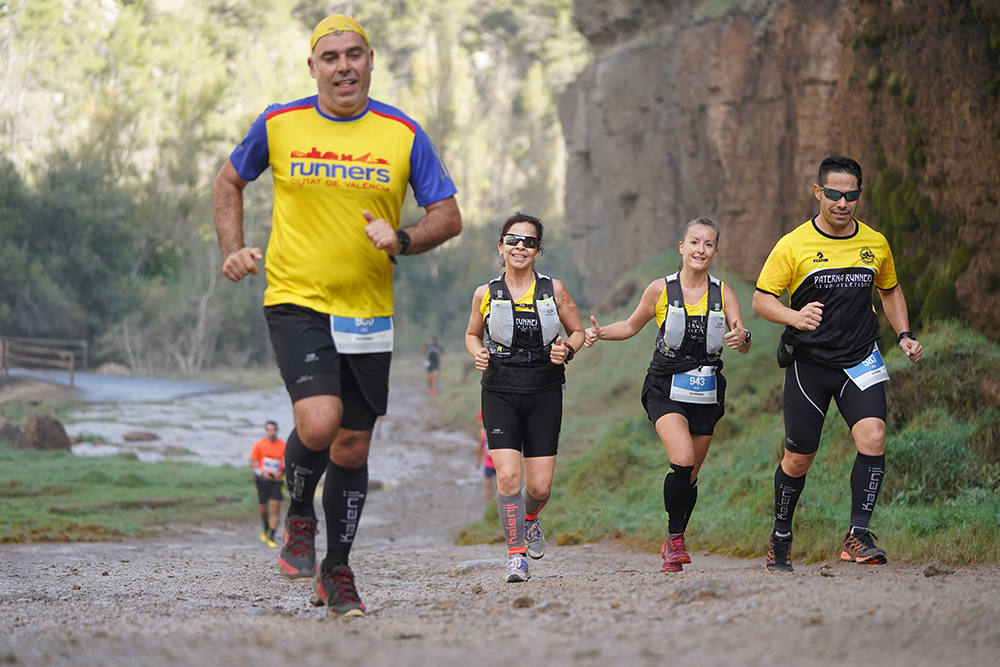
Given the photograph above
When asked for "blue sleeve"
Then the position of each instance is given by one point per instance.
(251, 157)
(429, 178)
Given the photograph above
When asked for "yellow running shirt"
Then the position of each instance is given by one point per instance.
(326, 171)
(839, 272)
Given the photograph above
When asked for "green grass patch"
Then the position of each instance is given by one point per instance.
(18, 412)
(56, 496)
(939, 502)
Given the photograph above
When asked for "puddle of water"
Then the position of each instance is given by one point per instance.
(220, 429)
(216, 429)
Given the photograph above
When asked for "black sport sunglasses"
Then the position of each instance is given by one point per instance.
(514, 239)
(835, 195)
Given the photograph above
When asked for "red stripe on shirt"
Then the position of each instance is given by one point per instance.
(278, 112)
(396, 118)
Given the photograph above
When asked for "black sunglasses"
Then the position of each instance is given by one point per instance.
(835, 195)
(514, 239)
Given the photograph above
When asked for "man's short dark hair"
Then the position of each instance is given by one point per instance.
(839, 164)
(269, 422)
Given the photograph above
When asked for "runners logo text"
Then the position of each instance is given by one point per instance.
(339, 170)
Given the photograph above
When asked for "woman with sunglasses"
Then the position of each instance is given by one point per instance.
(684, 392)
(514, 338)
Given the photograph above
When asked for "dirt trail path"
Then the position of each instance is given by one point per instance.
(212, 595)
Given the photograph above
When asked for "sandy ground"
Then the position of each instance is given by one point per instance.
(212, 594)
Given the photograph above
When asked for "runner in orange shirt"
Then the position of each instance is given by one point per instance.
(267, 460)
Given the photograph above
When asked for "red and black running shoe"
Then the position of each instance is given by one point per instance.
(335, 589)
(673, 550)
(298, 551)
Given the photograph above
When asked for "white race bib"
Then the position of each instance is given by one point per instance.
(868, 372)
(695, 386)
(271, 465)
(361, 335)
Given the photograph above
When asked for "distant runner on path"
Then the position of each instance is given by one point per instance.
(435, 357)
(267, 460)
(485, 461)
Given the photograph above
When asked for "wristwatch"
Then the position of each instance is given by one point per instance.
(747, 339)
(404, 241)
(904, 334)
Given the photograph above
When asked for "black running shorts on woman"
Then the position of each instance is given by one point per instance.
(311, 366)
(533, 419)
(808, 390)
(702, 418)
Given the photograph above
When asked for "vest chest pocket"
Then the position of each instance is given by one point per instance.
(695, 386)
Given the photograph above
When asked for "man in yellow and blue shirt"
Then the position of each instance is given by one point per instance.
(341, 163)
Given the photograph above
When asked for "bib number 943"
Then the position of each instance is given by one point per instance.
(695, 386)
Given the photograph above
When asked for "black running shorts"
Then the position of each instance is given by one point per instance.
(807, 394)
(529, 423)
(269, 489)
(702, 418)
(311, 366)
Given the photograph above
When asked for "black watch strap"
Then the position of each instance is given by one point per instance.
(404, 241)
(904, 334)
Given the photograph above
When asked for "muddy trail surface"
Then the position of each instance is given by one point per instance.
(213, 594)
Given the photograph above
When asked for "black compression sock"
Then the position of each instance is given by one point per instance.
(866, 480)
(676, 490)
(303, 468)
(786, 496)
(692, 498)
(344, 492)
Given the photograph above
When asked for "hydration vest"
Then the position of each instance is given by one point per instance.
(674, 327)
(500, 320)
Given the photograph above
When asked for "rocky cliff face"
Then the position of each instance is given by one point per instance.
(683, 114)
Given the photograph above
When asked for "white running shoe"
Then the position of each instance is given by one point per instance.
(534, 539)
(517, 569)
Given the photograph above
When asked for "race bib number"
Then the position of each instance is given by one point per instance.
(361, 335)
(271, 465)
(695, 386)
(869, 372)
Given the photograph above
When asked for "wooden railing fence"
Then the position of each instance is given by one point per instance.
(65, 353)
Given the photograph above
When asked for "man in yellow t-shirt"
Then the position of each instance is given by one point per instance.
(340, 162)
(829, 266)
(267, 460)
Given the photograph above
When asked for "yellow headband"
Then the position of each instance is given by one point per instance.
(337, 23)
